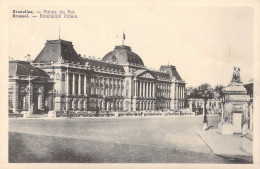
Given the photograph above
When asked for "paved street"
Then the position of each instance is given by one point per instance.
(125, 140)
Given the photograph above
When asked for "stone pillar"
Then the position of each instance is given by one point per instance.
(73, 83)
(79, 85)
(135, 88)
(141, 89)
(40, 98)
(15, 96)
(153, 93)
(30, 98)
(150, 89)
(146, 89)
(85, 85)
(183, 91)
(67, 83)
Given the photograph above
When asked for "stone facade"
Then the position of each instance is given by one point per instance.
(118, 82)
(28, 88)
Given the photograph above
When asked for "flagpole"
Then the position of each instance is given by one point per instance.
(123, 38)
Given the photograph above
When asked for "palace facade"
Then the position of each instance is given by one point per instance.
(118, 82)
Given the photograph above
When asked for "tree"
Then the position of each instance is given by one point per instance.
(195, 93)
(218, 89)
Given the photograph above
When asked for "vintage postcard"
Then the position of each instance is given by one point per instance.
(130, 84)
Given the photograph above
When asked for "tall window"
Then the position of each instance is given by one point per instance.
(82, 84)
(76, 84)
(126, 92)
(70, 83)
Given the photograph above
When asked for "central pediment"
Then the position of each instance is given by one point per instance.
(147, 75)
(144, 74)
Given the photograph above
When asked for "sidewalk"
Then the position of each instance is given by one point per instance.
(229, 146)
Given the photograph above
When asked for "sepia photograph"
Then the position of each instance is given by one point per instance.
(121, 82)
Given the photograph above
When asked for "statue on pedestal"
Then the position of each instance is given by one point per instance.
(236, 75)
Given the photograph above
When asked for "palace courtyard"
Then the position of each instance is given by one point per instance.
(171, 139)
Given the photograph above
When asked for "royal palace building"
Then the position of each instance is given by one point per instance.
(118, 82)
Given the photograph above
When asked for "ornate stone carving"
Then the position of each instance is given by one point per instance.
(236, 75)
(147, 75)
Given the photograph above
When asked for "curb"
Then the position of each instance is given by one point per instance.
(229, 156)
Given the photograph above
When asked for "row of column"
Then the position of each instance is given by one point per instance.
(164, 90)
(114, 86)
(73, 85)
(144, 89)
(180, 91)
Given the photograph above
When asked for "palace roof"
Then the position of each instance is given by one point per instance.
(23, 68)
(123, 55)
(172, 71)
(103, 65)
(55, 50)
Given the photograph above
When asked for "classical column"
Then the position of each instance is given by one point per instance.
(67, 83)
(79, 85)
(30, 100)
(85, 84)
(146, 89)
(15, 97)
(149, 91)
(182, 91)
(74, 83)
(153, 93)
(40, 98)
(138, 86)
(141, 89)
(179, 96)
(135, 81)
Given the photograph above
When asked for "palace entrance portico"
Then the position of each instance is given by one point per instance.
(144, 91)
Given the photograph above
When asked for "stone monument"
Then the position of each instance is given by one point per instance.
(235, 106)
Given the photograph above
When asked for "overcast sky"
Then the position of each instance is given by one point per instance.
(203, 43)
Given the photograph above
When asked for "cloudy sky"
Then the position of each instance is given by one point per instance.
(204, 43)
